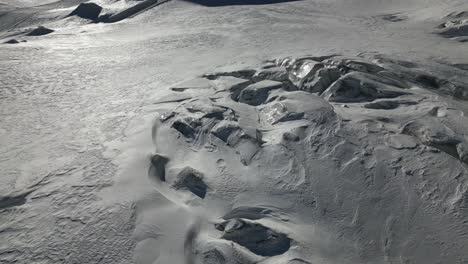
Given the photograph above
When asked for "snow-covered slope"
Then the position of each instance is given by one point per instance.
(311, 131)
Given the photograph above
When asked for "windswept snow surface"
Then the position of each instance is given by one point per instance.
(281, 132)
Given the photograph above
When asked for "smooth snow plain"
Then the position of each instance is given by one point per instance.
(202, 131)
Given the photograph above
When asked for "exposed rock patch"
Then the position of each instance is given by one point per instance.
(257, 93)
(242, 74)
(187, 127)
(298, 261)
(192, 180)
(462, 66)
(275, 73)
(255, 237)
(158, 163)
(322, 79)
(11, 41)
(457, 14)
(226, 130)
(359, 87)
(40, 31)
(89, 11)
(13, 200)
(215, 3)
(388, 104)
(130, 12)
(456, 28)
(395, 17)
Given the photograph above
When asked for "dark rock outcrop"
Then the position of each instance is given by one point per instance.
(40, 31)
(192, 180)
(89, 11)
(257, 238)
(11, 41)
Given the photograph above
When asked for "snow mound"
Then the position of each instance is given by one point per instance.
(315, 147)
